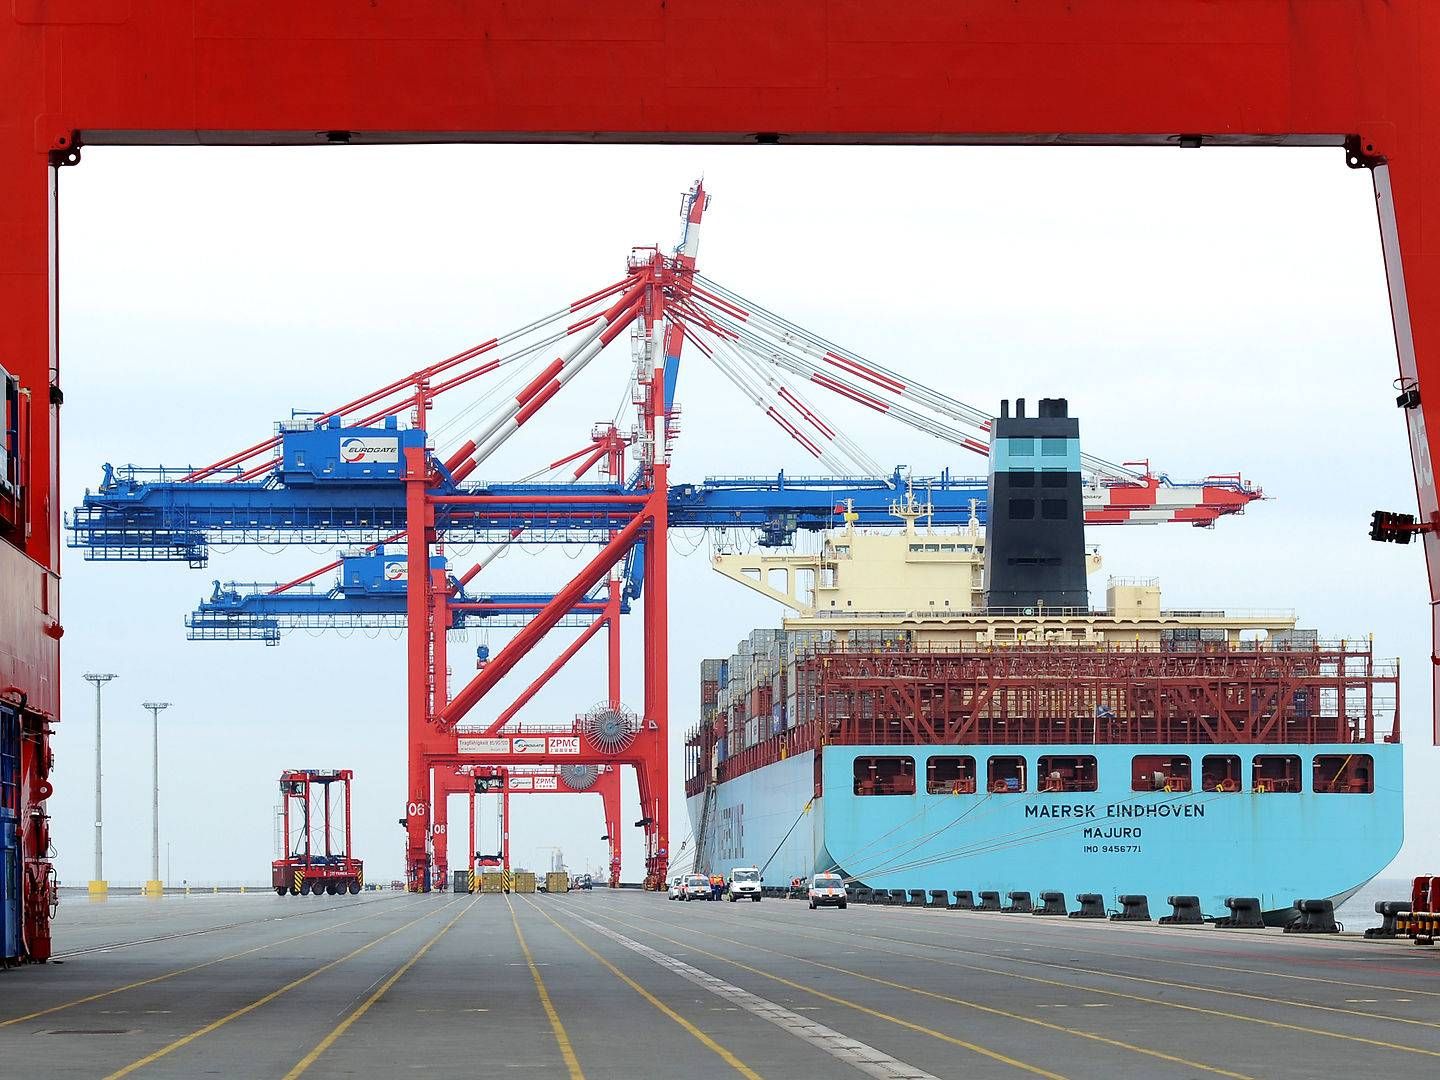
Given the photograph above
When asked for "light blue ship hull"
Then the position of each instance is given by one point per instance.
(1278, 847)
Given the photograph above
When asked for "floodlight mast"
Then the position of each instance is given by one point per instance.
(98, 885)
(154, 885)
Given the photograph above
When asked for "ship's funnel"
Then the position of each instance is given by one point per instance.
(1035, 544)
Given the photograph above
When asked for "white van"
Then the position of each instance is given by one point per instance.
(745, 882)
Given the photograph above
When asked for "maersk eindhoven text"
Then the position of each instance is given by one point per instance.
(1116, 810)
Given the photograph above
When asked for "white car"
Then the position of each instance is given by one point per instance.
(696, 887)
(677, 888)
(745, 883)
(828, 889)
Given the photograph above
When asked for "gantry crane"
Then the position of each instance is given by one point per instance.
(354, 474)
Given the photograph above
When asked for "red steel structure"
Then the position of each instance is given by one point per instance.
(1355, 74)
(1335, 692)
(603, 780)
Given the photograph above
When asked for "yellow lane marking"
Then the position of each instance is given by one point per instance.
(180, 971)
(850, 939)
(1172, 984)
(364, 1007)
(1070, 947)
(993, 1055)
(724, 1054)
(561, 1037)
(258, 1002)
(1013, 1016)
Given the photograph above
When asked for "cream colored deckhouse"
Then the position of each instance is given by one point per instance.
(929, 582)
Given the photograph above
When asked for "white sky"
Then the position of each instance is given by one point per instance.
(1215, 311)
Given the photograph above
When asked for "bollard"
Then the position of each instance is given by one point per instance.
(1388, 910)
(1020, 904)
(863, 895)
(1132, 909)
(1051, 903)
(1092, 906)
(917, 898)
(1244, 913)
(1184, 911)
(939, 898)
(989, 901)
(897, 896)
(964, 900)
(1313, 917)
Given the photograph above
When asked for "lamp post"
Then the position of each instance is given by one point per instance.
(154, 887)
(98, 885)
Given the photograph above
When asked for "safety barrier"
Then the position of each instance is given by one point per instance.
(1020, 904)
(1092, 906)
(1051, 903)
(1313, 917)
(1244, 913)
(862, 895)
(989, 901)
(1132, 909)
(1184, 911)
(1389, 911)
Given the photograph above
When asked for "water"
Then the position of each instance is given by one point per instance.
(1358, 913)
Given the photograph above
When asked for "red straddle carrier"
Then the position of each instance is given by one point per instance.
(312, 860)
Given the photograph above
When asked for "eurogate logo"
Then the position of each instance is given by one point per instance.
(527, 746)
(369, 450)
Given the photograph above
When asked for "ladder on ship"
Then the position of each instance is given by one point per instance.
(702, 834)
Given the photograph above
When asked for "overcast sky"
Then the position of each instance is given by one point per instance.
(1213, 311)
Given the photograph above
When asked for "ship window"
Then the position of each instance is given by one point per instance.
(1070, 772)
(1054, 478)
(950, 776)
(932, 547)
(1021, 447)
(1052, 447)
(1022, 509)
(1344, 774)
(1160, 772)
(1022, 479)
(1220, 772)
(1277, 772)
(1005, 775)
(1053, 509)
(917, 547)
(884, 776)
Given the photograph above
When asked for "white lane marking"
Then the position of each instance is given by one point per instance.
(866, 1058)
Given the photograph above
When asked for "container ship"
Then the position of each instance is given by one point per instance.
(944, 710)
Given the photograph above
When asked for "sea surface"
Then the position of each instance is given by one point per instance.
(1358, 913)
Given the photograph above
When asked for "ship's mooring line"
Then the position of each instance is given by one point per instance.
(889, 832)
(803, 811)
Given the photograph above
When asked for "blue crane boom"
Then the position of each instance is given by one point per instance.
(369, 594)
(333, 484)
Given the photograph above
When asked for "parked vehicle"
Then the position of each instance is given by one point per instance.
(745, 882)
